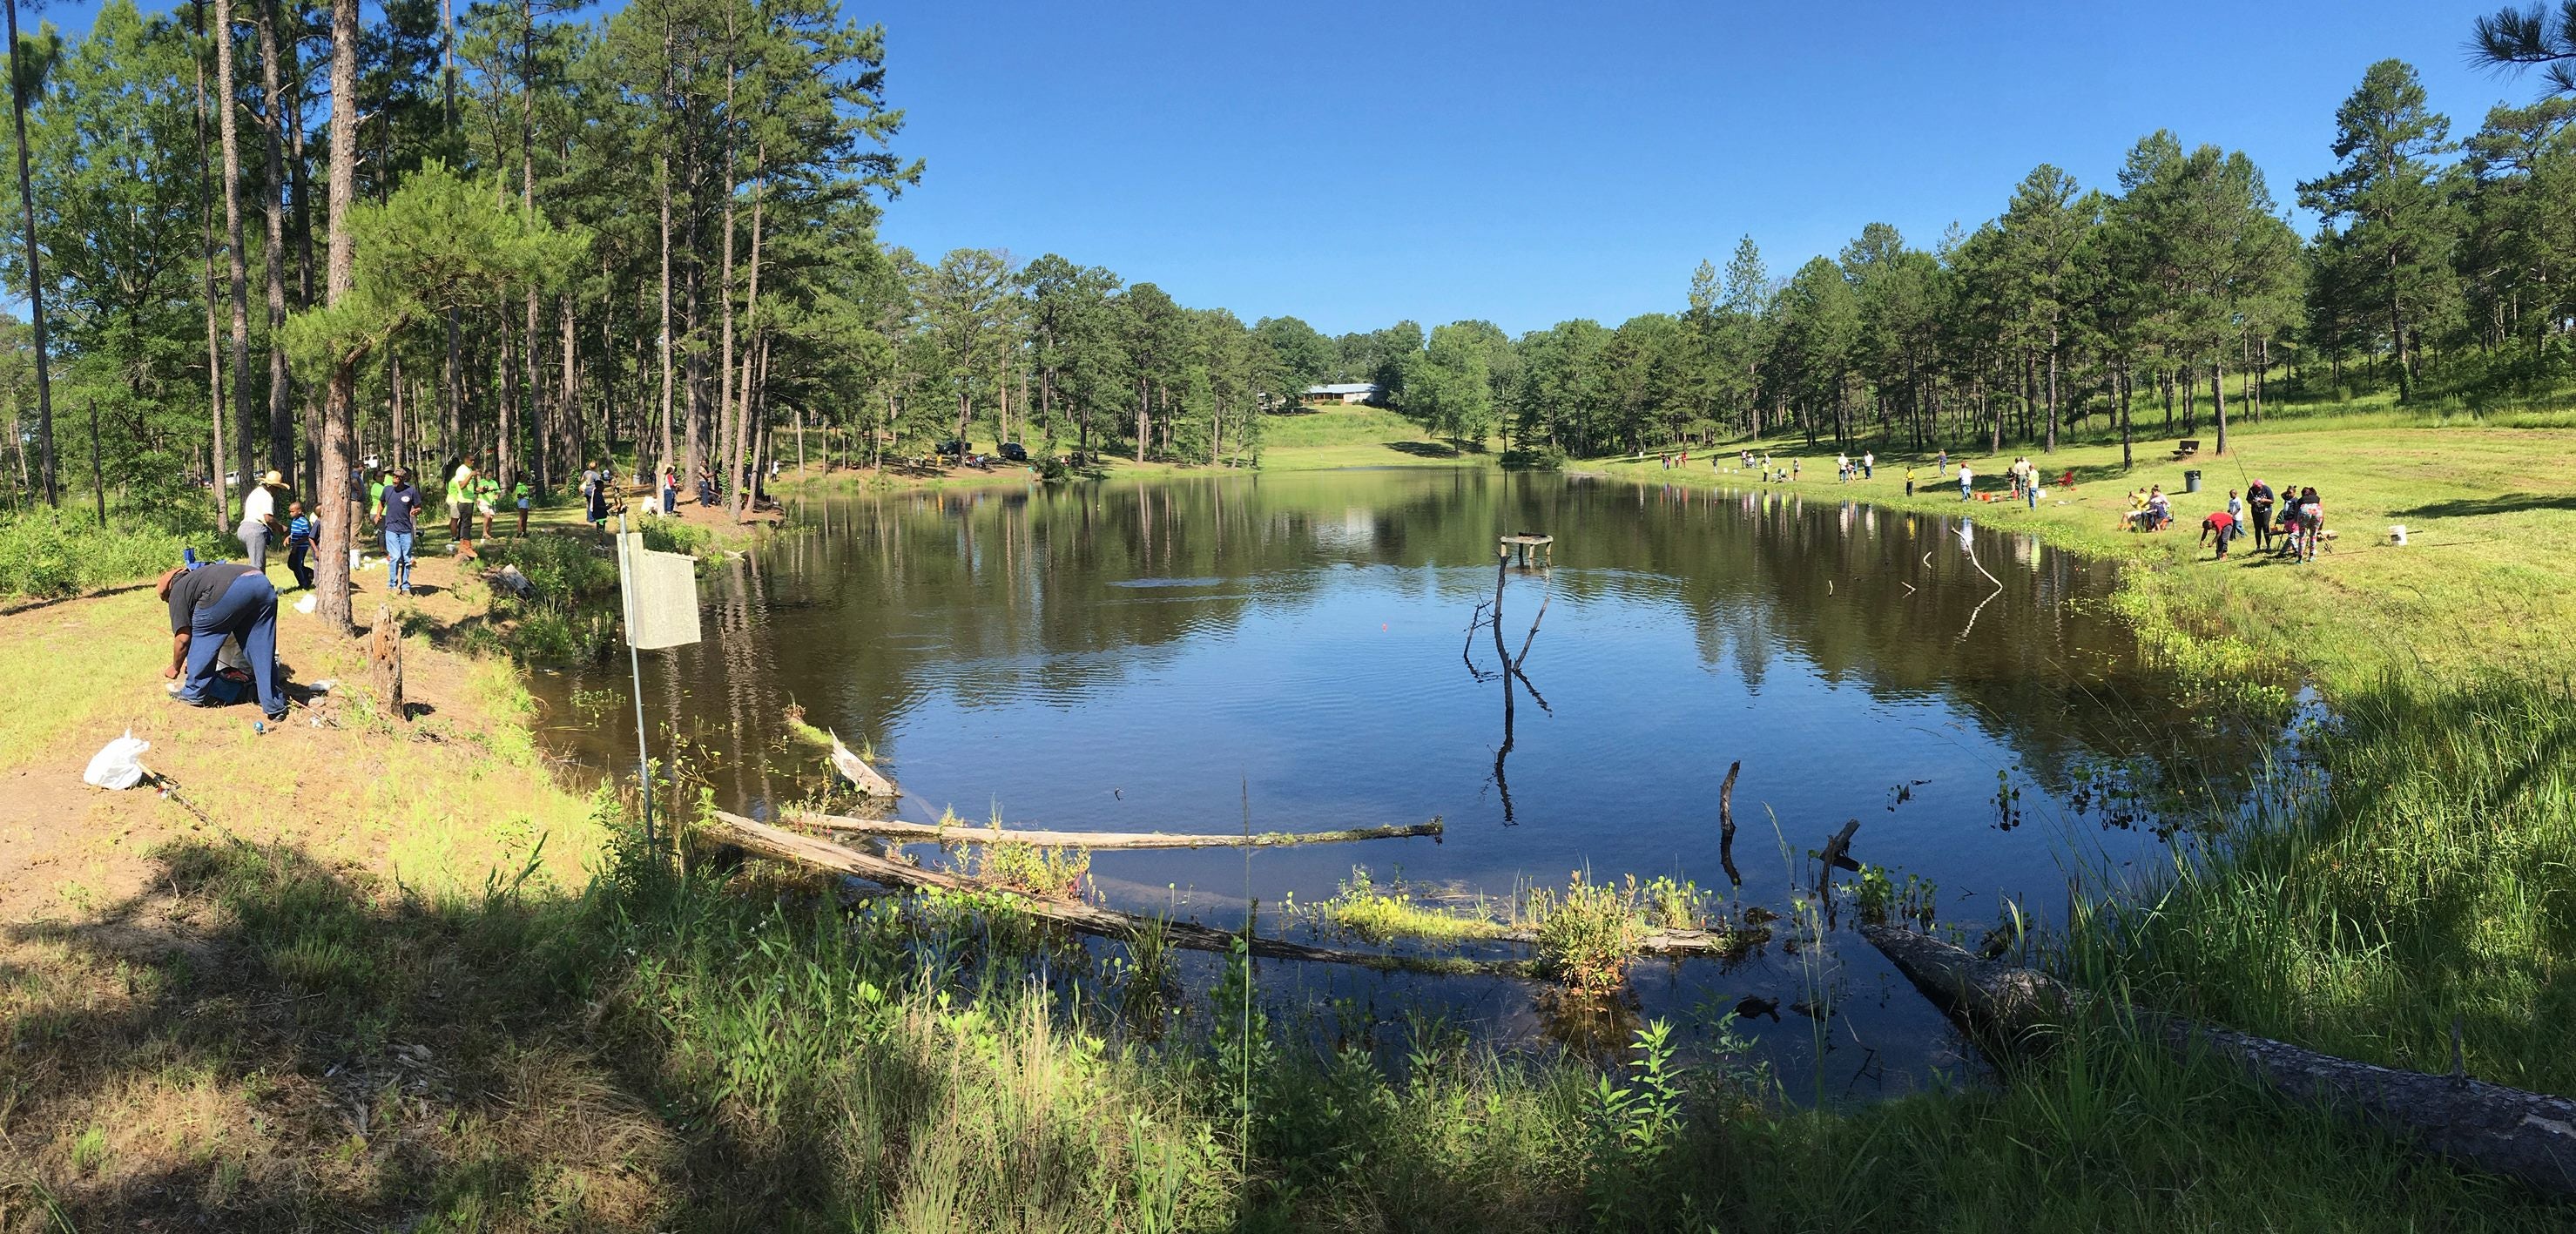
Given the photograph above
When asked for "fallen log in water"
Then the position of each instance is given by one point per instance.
(770, 841)
(1660, 942)
(969, 834)
(2522, 1135)
(856, 771)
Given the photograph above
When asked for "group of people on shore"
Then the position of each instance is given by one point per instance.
(2290, 524)
(216, 605)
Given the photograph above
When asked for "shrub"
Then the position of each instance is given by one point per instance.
(49, 553)
(1586, 934)
(670, 535)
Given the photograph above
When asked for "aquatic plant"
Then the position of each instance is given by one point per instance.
(1034, 869)
(1382, 914)
(1587, 933)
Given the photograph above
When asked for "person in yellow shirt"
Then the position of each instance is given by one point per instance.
(460, 499)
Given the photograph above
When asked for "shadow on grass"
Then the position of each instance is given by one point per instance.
(1424, 449)
(256, 1042)
(2508, 503)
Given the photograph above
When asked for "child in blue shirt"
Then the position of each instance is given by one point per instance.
(302, 531)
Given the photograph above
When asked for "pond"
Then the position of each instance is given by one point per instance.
(1178, 655)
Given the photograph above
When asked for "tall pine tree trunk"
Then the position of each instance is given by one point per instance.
(2397, 333)
(668, 455)
(2050, 446)
(281, 417)
(214, 347)
(35, 270)
(751, 313)
(2128, 388)
(238, 261)
(2218, 401)
(340, 400)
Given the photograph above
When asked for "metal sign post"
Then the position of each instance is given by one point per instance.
(635, 663)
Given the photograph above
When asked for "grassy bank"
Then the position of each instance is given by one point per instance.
(2435, 883)
(2480, 588)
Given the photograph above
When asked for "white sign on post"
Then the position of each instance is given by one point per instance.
(661, 595)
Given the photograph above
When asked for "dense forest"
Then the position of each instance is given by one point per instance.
(540, 240)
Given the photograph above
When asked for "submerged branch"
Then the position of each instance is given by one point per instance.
(933, 833)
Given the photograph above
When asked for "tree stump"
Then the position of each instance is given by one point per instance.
(384, 661)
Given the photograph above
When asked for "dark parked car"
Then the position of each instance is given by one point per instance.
(1015, 452)
(950, 449)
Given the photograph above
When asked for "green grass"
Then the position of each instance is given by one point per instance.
(2433, 885)
(1321, 438)
(2480, 588)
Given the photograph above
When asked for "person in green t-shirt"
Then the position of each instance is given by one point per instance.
(487, 494)
(519, 497)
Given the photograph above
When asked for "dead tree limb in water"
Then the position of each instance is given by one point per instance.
(856, 770)
(931, 833)
(1726, 823)
(774, 842)
(769, 841)
(2527, 1136)
(1546, 581)
(1836, 855)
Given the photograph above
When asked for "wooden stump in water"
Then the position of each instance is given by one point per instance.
(384, 661)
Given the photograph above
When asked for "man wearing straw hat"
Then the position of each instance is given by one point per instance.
(259, 520)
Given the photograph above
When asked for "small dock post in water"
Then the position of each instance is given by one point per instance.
(1527, 548)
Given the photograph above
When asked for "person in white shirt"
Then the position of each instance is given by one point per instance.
(259, 520)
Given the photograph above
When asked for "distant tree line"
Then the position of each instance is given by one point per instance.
(2171, 301)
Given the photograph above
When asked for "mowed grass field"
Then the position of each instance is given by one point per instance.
(2486, 584)
(1319, 438)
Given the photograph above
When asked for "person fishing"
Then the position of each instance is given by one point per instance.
(259, 525)
(2258, 501)
(208, 603)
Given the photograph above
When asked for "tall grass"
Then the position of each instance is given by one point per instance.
(49, 553)
(2433, 882)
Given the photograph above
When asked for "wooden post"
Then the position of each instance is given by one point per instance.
(384, 661)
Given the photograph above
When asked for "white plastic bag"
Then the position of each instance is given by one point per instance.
(118, 764)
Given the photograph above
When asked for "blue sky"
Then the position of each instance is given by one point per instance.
(1355, 164)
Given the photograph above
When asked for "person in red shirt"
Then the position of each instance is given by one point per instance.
(2222, 525)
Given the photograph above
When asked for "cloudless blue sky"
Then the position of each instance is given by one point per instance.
(1355, 164)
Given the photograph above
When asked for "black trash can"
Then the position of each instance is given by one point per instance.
(2191, 481)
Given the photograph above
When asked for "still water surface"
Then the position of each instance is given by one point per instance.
(1161, 656)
